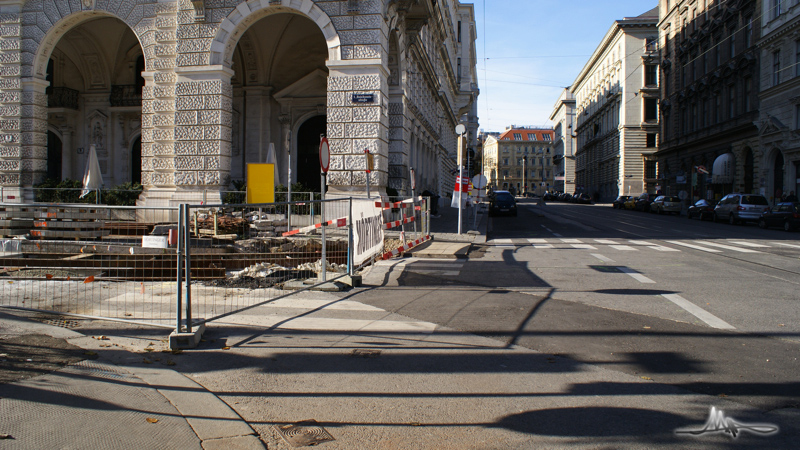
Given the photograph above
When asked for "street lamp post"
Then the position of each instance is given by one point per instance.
(524, 174)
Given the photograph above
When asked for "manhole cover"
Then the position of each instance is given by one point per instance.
(304, 433)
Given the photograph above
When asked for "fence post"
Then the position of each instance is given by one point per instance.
(188, 267)
(179, 277)
(350, 268)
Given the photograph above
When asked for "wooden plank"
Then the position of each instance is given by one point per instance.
(49, 234)
(68, 224)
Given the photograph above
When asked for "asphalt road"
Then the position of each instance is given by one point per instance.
(708, 307)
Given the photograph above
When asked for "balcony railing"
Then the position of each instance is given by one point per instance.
(125, 95)
(62, 97)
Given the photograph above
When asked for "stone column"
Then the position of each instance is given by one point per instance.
(285, 149)
(31, 132)
(357, 120)
(67, 152)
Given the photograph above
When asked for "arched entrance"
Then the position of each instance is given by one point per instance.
(280, 80)
(308, 168)
(95, 98)
(54, 156)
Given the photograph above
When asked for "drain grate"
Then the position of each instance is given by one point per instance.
(63, 323)
(304, 433)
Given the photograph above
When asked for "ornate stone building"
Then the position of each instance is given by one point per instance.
(182, 94)
(616, 105)
(709, 142)
(520, 160)
(779, 115)
(563, 117)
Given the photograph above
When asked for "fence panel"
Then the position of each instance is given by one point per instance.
(262, 257)
(89, 260)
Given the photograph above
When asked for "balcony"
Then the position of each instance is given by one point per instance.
(125, 95)
(62, 97)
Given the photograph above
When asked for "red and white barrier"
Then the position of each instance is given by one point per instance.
(397, 223)
(388, 205)
(340, 222)
(405, 247)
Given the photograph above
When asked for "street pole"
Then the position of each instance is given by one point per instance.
(460, 129)
(413, 200)
(366, 154)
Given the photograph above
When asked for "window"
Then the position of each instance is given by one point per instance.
(797, 58)
(717, 52)
(517, 136)
(705, 61)
(546, 137)
(731, 101)
(519, 161)
(650, 44)
(694, 116)
(505, 161)
(732, 42)
(776, 8)
(651, 140)
(776, 68)
(797, 119)
(748, 31)
(459, 31)
(650, 169)
(748, 87)
(651, 75)
(717, 108)
(706, 112)
(650, 109)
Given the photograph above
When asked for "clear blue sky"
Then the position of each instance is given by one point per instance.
(528, 50)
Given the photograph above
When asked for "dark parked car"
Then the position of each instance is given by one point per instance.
(736, 208)
(583, 199)
(644, 200)
(502, 203)
(619, 203)
(784, 215)
(704, 209)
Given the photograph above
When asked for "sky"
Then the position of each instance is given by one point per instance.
(529, 50)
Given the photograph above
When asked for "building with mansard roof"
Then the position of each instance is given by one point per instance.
(182, 95)
(520, 159)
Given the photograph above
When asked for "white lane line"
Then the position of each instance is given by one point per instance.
(749, 244)
(696, 247)
(571, 241)
(787, 245)
(605, 241)
(584, 246)
(537, 241)
(635, 275)
(728, 247)
(700, 313)
(602, 258)
(626, 248)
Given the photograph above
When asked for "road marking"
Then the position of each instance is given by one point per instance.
(602, 258)
(635, 275)
(696, 247)
(448, 273)
(605, 241)
(661, 248)
(537, 241)
(584, 246)
(749, 244)
(571, 241)
(710, 319)
(649, 244)
(787, 245)
(623, 248)
(502, 242)
(542, 245)
(728, 247)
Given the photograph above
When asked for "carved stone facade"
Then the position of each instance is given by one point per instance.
(182, 95)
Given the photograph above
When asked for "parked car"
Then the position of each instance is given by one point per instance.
(666, 204)
(740, 208)
(583, 199)
(503, 203)
(643, 201)
(619, 203)
(704, 209)
(566, 197)
(630, 203)
(784, 215)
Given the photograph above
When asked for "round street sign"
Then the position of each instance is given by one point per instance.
(461, 129)
(324, 154)
(479, 181)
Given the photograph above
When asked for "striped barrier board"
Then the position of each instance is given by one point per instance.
(405, 247)
(340, 222)
(396, 223)
(388, 205)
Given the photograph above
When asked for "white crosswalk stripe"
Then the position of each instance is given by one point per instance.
(537, 241)
(440, 267)
(708, 246)
(626, 248)
(584, 246)
(696, 247)
(749, 244)
(728, 247)
(605, 241)
(787, 245)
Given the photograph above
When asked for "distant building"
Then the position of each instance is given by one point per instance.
(779, 97)
(520, 159)
(563, 116)
(709, 142)
(617, 96)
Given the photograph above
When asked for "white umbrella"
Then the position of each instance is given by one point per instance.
(92, 178)
(272, 159)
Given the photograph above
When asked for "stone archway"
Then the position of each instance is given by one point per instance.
(308, 139)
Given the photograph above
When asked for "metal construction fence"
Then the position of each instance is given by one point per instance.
(178, 267)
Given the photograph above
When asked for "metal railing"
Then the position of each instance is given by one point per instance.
(62, 97)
